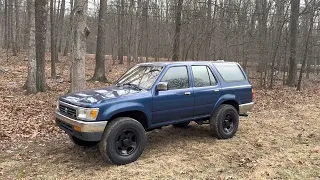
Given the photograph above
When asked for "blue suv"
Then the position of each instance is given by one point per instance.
(152, 95)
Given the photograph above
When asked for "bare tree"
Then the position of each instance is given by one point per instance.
(61, 25)
(292, 73)
(11, 29)
(208, 30)
(6, 39)
(31, 84)
(176, 41)
(120, 43)
(137, 32)
(17, 30)
(100, 69)
(40, 37)
(145, 33)
(308, 34)
(69, 31)
(53, 36)
(81, 32)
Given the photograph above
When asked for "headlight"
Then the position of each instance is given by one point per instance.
(87, 113)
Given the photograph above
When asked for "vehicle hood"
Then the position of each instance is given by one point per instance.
(91, 97)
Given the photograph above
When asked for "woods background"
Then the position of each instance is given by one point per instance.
(280, 38)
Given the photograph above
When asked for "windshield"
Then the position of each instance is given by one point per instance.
(142, 77)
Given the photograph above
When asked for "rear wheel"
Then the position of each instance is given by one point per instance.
(181, 125)
(123, 141)
(80, 142)
(224, 123)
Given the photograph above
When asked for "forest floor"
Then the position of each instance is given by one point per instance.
(279, 140)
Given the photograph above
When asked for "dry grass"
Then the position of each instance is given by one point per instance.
(279, 140)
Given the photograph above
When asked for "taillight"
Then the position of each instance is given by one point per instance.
(252, 91)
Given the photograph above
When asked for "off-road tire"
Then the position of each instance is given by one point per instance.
(181, 125)
(112, 135)
(219, 120)
(83, 143)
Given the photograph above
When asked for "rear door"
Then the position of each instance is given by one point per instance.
(206, 90)
(176, 103)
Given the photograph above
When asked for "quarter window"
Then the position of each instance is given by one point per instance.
(230, 72)
(176, 77)
(203, 76)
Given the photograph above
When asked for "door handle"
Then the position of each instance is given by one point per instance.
(216, 90)
(187, 93)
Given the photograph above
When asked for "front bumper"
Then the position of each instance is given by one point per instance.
(89, 131)
(245, 108)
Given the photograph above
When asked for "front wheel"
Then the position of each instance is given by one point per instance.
(123, 141)
(224, 123)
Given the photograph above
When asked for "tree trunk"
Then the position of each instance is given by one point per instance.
(305, 53)
(69, 31)
(176, 43)
(120, 31)
(130, 34)
(208, 31)
(61, 25)
(5, 24)
(80, 33)
(137, 32)
(100, 69)
(279, 27)
(17, 30)
(40, 37)
(53, 40)
(31, 84)
(26, 31)
(263, 38)
(145, 30)
(12, 29)
(292, 73)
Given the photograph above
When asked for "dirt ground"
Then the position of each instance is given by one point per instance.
(279, 140)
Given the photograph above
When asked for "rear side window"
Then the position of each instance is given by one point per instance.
(203, 76)
(177, 77)
(230, 72)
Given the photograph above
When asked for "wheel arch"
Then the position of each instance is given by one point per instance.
(226, 99)
(138, 115)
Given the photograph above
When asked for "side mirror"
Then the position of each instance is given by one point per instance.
(162, 86)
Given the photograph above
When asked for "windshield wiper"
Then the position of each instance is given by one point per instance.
(132, 85)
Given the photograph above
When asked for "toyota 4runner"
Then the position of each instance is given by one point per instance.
(152, 95)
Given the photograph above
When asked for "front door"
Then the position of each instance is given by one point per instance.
(176, 103)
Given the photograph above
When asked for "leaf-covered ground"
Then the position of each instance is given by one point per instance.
(279, 140)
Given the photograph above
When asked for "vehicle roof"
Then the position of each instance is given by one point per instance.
(165, 63)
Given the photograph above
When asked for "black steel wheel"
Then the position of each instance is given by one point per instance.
(123, 141)
(127, 142)
(224, 123)
(228, 123)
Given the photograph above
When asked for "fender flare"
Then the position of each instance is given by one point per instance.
(123, 107)
(222, 99)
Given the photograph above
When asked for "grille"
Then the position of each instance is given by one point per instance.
(67, 111)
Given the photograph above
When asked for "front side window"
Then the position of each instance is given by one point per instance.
(176, 77)
(230, 72)
(203, 76)
(142, 77)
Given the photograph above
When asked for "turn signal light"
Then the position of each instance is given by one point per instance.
(252, 93)
(93, 114)
(77, 128)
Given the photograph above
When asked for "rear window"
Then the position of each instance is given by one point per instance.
(230, 72)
